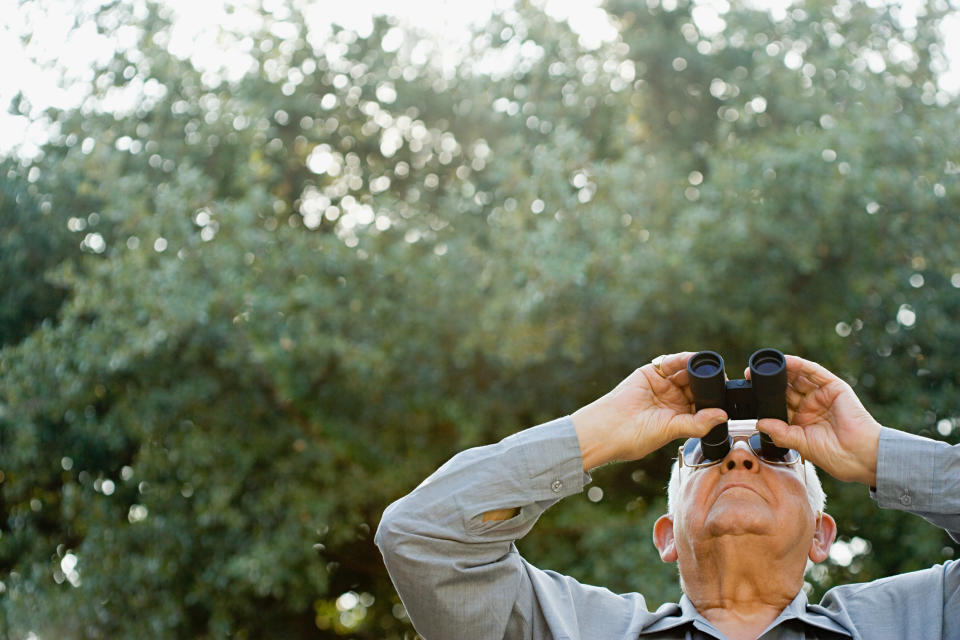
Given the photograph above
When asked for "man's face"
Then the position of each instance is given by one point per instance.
(762, 505)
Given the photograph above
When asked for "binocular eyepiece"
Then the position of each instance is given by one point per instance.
(764, 395)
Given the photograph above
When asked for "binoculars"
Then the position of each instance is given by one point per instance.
(763, 396)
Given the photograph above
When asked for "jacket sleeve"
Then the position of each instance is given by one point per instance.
(920, 475)
(460, 577)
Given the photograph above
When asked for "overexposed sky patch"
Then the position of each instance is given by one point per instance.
(196, 36)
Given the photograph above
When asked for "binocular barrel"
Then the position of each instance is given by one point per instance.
(708, 383)
(766, 395)
(768, 374)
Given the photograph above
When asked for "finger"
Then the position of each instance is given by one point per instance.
(682, 380)
(813, 372)
(675, 363)
(705, 420)
(699, 424)
(794, 398)
(794, 395)
(803, 384)
(810, 374)
(783, 434)
(682, 383)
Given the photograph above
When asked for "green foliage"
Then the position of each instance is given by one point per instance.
(242, 316)
(31, 244)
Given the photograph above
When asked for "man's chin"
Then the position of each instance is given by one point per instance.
(737, 519)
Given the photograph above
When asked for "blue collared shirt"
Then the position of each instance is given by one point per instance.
(462, 578)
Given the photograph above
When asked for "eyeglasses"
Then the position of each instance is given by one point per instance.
(691, 453)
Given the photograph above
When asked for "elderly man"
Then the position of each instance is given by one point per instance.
(741, 528)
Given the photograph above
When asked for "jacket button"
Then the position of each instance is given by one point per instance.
(905, 500)
(556, 486)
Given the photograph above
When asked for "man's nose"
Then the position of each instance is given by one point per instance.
(740, 457)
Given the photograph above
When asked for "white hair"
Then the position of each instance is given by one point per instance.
(815, 494)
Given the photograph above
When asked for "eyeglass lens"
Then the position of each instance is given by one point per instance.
(693, 453)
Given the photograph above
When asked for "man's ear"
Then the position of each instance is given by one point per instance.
(823, 536)
(663, 538)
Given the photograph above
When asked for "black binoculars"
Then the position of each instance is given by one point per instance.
(763, 396)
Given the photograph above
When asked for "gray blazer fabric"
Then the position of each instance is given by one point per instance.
(462, 578)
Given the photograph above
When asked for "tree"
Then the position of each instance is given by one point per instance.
(255, 310)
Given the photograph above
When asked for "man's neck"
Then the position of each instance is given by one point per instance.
(741, 622)
(735, 592)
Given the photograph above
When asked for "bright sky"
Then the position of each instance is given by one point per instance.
(49, 21)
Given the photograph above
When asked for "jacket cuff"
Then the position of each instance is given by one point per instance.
(909, 472)
(553, 459)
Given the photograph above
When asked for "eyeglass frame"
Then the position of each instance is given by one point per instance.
(740, 430)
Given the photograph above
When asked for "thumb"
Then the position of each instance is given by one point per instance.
(783, 434)
(707, 419)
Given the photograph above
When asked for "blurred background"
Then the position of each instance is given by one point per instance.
(264, 266)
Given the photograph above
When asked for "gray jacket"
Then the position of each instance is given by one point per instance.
(462, 578)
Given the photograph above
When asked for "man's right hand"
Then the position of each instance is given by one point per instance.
(645, 412)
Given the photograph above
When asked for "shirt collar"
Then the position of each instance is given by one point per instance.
(672, 616)
(801, 610)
